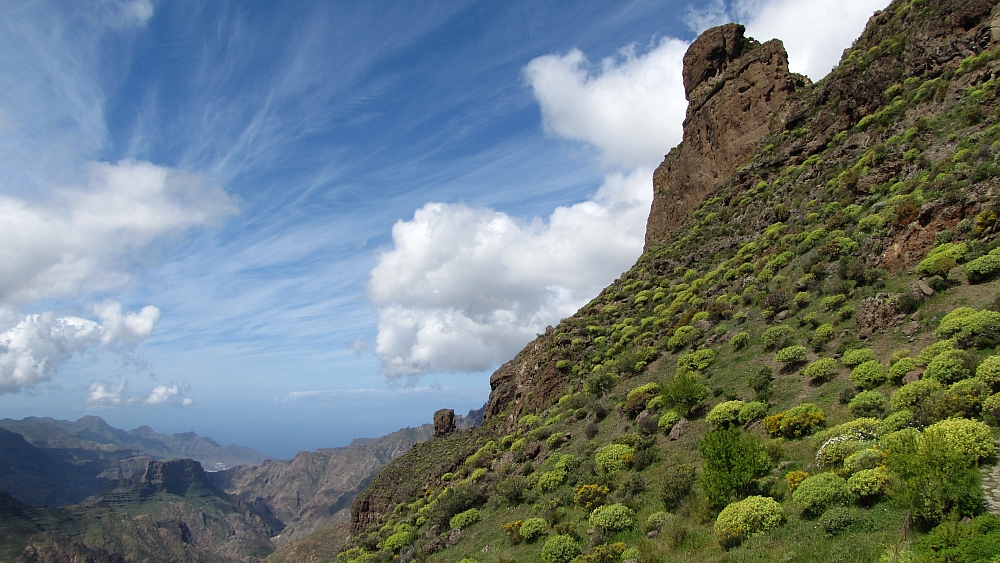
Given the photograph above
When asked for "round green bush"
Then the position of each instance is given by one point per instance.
(970, 327)
(989, 372)
(740, 341)
(898, 420)
(614, 457)
(868, 483)
(869, 375)
(600, 382)
(667, 421)
(913, 394)
(969, 439)
(853, 358)
(560, 549)
(464, 519)
(657, 520)
(612, 518)
(984, 268)
(947, 367)
(936, 265)
(398, 541)
(791, 355)
(898, 370)
(699, 360)
(867, 458)
(870, 404)
(637, 398)
(747, 517)
(822, 369)
(752, 411)
(991, 409)
(820, 492)
(836, 520)
(776, 336)
(725, 414)
(629, 554)
(550, 480)
(932, 350)
(798, 421)
(533, 527)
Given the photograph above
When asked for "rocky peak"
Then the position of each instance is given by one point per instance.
(734, 87)
(444, 422)
(173, 476)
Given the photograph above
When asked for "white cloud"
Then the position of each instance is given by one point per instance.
(102, 393)
(630, 108)
(173, 394)
(82, 238)
(464, 288)
(815, 33)
(34, 346)
(359, 346)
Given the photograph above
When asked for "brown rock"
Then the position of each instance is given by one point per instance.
(532, 450)
(444, 422)
(734, 86)
(912, 328)
(875, 315)
(912, 376)
(678, 429)
(781, 316)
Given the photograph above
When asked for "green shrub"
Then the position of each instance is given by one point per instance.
(791, 355)
(599, 383)
(868, 484)
(869, 375)
(970, 327)
(989, 372)
(747, 517)
(657, 520)
(667, 421)
(796, 422)
(533, 528)
(550, 480)
(948, 367)
(898, 370)
(898, 420)
(776, 336)
(970, 440)
(984, 268)
(698, 360)
(612, 518)
(854, 358)
(867, 458)
(464, 519)
(822, 336)
(936, 265)
(913, 394)
(802, 299)
(752, 411)
(614, 457)
(676, 485)
(725, 414)
(398, 541)
(683, 337)
(740, 340)
(823, 369)
(589, 496)
(991, 409)
(870, 404)
(560, 548)
(686, 390)
(637, 398)
(820, 492)
(932, 350)
(732, 461)
(834, 301)
(836, 520)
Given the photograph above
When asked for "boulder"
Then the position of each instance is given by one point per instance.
(444, 422)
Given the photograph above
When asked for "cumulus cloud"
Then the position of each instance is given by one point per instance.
(102, 393)
(630, 107)
(34, 346)
(174, 394)
(464, 288)
(815, 33)
(81, 239)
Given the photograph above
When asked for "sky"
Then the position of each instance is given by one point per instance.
(288, 225)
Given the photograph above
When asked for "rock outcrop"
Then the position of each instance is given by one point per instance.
(444, 422)
(735, 86)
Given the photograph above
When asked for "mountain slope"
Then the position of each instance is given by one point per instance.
(844, 244)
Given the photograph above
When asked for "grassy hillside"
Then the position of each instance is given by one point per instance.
(806, 370)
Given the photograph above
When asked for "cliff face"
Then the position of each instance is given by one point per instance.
(736, 90)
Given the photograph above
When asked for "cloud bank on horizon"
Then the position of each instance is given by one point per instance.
(72, 226)
(463, 289)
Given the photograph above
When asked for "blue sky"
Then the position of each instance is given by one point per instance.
(286, 225)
